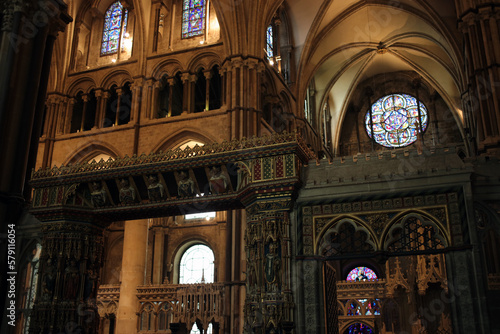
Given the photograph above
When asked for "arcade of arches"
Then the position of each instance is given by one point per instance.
(261, 166)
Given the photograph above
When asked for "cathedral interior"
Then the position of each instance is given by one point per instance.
(250, 166)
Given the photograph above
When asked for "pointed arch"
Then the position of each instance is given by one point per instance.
(180, 137)
(85, 152)
(363, 235)
(414, 230)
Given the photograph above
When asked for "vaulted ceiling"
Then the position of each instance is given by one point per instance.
(342, 43)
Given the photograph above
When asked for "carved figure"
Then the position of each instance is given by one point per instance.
(49, 280)
(90, 284)
(155, 188)
(185, 185)
(243, 176)
(97, 194)
(127, 192)
(218, 181)
(71, 280)
(273, 264)
(252, 271)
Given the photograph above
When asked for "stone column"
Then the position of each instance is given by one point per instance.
(208, 76)
(269, 302)
(159, 242)
(136, 90)
(186, 96)
(171, 83)
(104, 104)
(148, 113)
(69, 273)
(85, 99)
(118, 101)
(154, 100)
(99, 110)
(69, 115)
(61, 115)
(133, 264)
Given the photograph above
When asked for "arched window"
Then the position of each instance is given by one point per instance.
(215, 93)
(29, 285)
(361, 274)
(146, 321)
(193, 18)
(197, 265)
(164, 317)
(77, 114)
(269, 44)
(200, 92)
(177, 94)
(111, 106)
(115, 28)
(394, 120)
(163, 99)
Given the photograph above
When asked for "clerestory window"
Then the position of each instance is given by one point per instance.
(115, 29)
(193, 18)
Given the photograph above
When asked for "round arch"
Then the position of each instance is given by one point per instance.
(165, 67)
(116, 77)
(85, 84)
(181, 249)
(205, 60)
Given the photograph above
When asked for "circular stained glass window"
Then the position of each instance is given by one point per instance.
(361, 274)
(396, 120)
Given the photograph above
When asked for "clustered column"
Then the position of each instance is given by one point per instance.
(481, 100)
(241, 81)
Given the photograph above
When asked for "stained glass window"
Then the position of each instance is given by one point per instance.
(193, 18)
(269, 42)
(353, 308)
(361, 274)
(115, 27)
(396, 120)
(197, 265)
(373, 307)
(358, 328)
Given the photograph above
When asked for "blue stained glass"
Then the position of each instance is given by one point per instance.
(269, 42)
(361, 274)
(359, 328)
(397, 116)
(193, 18)
(353, 308)
(113, 27)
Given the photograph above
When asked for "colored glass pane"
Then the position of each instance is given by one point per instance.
(361, 274)
(353, 308)
(269, 42)
(193, 18)
(395, 120)
(114, 28)
(358, 328)
(373, 307)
